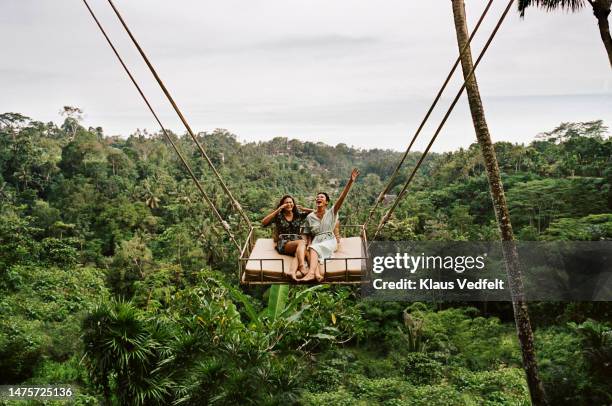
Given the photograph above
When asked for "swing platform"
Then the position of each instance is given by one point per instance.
(261, 264)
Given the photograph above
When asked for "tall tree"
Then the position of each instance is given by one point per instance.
(601, 10)
(521, 314)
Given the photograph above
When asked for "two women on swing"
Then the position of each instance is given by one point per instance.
(318, 227)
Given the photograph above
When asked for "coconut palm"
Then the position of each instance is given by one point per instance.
(521, 314)
(121, 354)
(601, 10)
(150, 195)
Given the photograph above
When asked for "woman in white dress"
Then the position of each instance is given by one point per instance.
(320, 227)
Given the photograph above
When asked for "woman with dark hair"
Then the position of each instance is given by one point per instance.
(288, 218)
(320, 226)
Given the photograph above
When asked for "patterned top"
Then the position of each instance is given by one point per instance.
(288, 227)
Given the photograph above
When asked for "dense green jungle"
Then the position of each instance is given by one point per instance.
(116, 279)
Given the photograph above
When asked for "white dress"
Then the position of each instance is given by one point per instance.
(324, 241)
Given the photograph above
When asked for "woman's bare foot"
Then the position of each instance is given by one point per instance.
(299, 273)
(308, 278)
(320, 274)
(310, 275)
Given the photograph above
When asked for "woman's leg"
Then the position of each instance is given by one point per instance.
(297, 247)
(319, 272)
(313, 262)
(290, 247)
(300, 253)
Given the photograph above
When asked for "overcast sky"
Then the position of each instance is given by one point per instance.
(361, 72)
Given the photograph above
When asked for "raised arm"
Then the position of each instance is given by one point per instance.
(349, 184)
(266, 220)
(305, 209)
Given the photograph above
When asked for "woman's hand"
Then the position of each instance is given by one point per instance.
(347, 187)
(304, 209)
(268, 219)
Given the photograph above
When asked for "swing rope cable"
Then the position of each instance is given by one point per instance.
(387, 215)
(382, 194)
(174, 146)
(235, 203)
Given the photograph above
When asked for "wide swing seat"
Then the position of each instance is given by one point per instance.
(260, 263)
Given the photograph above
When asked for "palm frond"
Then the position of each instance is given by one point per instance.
(549, 5)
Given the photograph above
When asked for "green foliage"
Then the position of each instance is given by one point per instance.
(420, 368)
(45, 305)
(17, 238)
(383, 319)
(49, 372)
(122, 349)
(413, 333)
(597, 347)
(340, 398)
(539, 202)
(497, 387)
(326, 317)
(132, 262)
(115, 276)
(575, 362)
(477, 342)
(277, 299)
(377, 389)
(501, 387)
(22, 344)
(203, 354)
(590, 228)
(60, 252)
(53, 294)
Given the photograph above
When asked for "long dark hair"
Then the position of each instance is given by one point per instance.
(282, 200)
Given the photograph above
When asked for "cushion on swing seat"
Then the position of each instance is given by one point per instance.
(339, 263)
(264, 258)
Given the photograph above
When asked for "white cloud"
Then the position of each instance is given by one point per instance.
(356, 71)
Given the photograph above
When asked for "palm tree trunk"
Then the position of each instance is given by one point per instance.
(521, 314)
(601, 9)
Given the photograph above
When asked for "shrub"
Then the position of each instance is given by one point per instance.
(562, 367)
(337, 398)
(379, 389)
(421, 368)
(428, 395)
(501, 387)
(21, 347)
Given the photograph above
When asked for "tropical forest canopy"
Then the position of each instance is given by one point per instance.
(116, 278)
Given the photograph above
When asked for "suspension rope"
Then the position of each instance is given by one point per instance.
(387, 215)
(382, 194)
(176, 149)
(235, 203)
